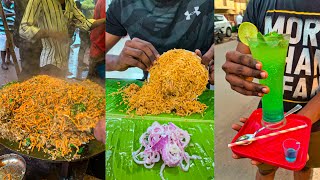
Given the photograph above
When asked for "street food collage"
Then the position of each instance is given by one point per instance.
(159, 89)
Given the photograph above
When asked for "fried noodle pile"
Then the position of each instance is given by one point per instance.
(51, 114)
(176, 80)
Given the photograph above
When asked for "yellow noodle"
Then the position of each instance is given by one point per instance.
(176, 80)
(51, 114)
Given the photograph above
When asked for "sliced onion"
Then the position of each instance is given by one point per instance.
(167, 142)
(187, 159)
(161, 171)
(160, 144)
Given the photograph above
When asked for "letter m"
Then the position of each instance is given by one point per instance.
(278, 26)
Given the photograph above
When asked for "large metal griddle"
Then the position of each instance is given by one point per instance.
(91, 149)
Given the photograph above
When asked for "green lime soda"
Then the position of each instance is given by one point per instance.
(271, 51)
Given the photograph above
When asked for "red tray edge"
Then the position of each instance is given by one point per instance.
(297, 168)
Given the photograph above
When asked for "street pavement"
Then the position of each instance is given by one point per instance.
(229, 107)
(10, 74)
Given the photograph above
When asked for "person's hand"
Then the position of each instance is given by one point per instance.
(100, 131)
(211, 72)
(208, 61)
(240, 70)
(137, 53)
(237, 127)
(206, 58)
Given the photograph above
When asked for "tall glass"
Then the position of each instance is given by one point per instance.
(272, 53)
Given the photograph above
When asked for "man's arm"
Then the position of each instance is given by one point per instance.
(98, 23)
(312, 109)
(28, 29)
(82, 22)
(111, 60)
(111, 40)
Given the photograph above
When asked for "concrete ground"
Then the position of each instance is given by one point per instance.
(10, 74)
(229, 107)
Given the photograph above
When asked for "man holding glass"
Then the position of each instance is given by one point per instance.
(301, 71)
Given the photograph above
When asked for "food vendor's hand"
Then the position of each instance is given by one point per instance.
(137, 53)
(100, 131)
(237, 127)
(240, 70)
(208, 61)
(211, 72)
(206, 58)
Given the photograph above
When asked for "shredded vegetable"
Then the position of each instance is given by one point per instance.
(51, 114)
(176, 80)
(167, 142)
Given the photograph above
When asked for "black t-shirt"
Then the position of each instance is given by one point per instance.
(301, 19)
(186, 24)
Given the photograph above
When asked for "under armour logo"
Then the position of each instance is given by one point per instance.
(188, 15)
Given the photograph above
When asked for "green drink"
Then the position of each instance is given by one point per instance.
(271, 51)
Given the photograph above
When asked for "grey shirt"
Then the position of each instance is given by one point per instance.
(186, 24)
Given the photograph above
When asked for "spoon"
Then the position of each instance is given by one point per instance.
(250, 136)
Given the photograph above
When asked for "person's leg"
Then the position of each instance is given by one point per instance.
(266, 172)
(3, 57)
(314, 158)
(304, 174)
(93, 62)
(84, 36)
(3, 51)
(270, 176)
(8, 50)
(8, 56)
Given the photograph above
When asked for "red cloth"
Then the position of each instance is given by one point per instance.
(97, 35)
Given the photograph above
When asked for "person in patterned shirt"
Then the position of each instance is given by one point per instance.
(49, 21)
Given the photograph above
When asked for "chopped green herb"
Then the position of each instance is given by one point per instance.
(8, 84)
(79, 107)
(28, 142)
(80, 150)
(100, 100)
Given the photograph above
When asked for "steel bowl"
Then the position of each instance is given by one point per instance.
(12, 166)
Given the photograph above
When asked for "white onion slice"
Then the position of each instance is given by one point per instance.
(167, 142)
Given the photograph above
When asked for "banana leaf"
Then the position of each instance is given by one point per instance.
(124, 131)
(116, 108)
(123, 139)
